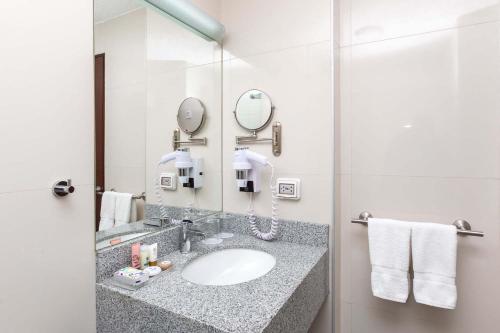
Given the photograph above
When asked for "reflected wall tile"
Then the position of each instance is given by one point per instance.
(125, 125)
(123, 41)
(166, 91)
(420, 105)
(171, 47)
(125, 179)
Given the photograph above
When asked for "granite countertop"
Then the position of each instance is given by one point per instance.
(128, 228)
(244, 307)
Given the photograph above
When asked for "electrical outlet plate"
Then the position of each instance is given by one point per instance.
(168, 181)
(288, 188)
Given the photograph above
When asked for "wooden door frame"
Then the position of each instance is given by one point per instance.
(99, 113)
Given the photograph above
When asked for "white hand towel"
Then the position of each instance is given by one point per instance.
(434, 251)
(107, 210)
(389, 243)
(123, 208)
(133, 211)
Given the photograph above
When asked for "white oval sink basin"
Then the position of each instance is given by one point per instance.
(228, 267)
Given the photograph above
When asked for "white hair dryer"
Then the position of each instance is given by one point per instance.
(183, 163)
(248, 165)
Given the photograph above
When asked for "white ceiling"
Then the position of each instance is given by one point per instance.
(108, 9)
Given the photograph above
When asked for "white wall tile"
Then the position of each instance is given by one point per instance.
(305, 113)
(343, 113)
(426, 199)
(123, 41)
(427, 105)
(419, 116)
(304, 109)
(125, 135)
(261, 26)
(367, 21)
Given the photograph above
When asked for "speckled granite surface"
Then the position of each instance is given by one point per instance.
(290, 230)
(177, 213)
(111, 259)
(285, 300)
(124, 229)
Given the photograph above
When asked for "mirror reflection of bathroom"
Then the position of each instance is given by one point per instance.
(157, 89)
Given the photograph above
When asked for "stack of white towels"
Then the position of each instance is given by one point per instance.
(117, 209)
(433, 251)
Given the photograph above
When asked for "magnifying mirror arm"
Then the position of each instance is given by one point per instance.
(275, 140)
(177, 142)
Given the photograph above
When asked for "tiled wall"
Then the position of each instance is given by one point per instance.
(418, 139)
(46, 122)
(283, 47)
(123, 41)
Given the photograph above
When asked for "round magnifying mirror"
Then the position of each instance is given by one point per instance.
(191, 115)
(254, 110)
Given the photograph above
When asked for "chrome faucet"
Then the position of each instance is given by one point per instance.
(185, 236)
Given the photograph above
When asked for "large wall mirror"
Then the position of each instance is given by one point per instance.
(158, 92)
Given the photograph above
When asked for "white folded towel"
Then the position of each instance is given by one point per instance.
(107, 210)
(123, 208)
(389, 243)
(133, 211)
(434, 251)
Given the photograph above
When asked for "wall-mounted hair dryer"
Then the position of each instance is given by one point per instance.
(248, 166)
(190, 170)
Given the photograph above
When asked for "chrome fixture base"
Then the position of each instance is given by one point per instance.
(275, 140)
(177, 143)
(157, 221)
(142, 196)
(62, 188)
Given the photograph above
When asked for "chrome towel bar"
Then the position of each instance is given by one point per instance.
(134, 196)
(463, 227)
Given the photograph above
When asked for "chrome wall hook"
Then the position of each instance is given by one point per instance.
(62, 188)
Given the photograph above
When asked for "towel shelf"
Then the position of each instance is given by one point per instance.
(134, 196)
(463, 227)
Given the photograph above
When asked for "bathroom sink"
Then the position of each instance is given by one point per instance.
(228, 267)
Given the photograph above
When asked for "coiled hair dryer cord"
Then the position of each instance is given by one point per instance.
(274, 213)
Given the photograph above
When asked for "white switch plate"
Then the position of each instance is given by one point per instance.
(288, 188)
(168, 181)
